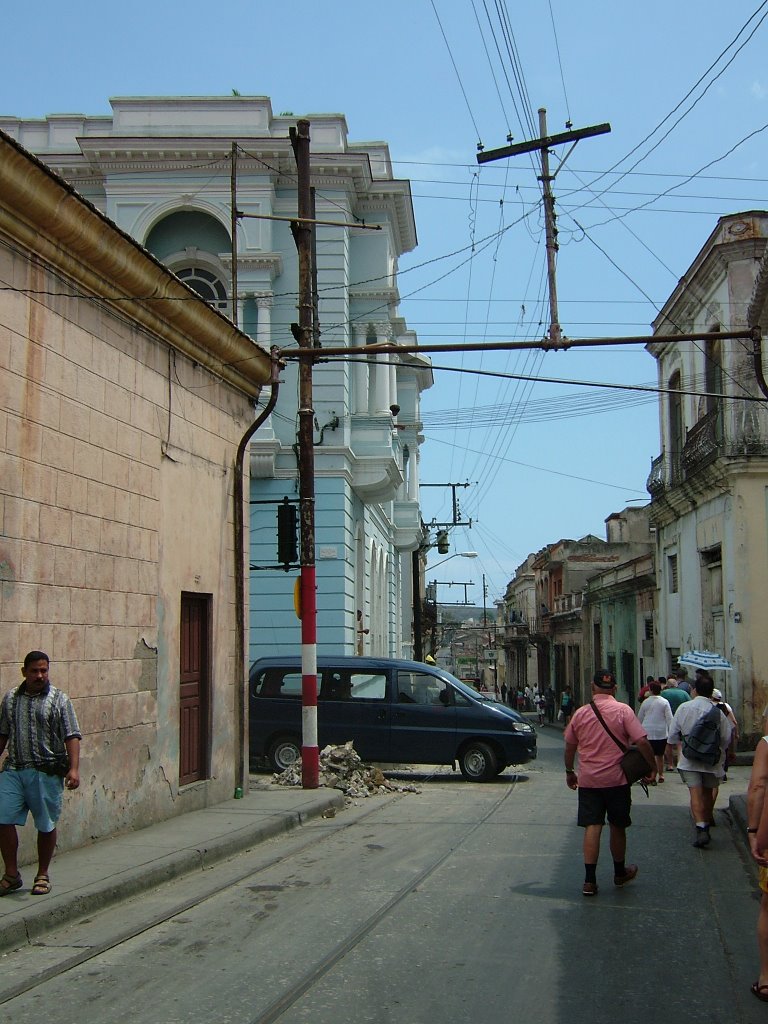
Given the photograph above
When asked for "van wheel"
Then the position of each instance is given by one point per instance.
(284, 753)
(478, 762)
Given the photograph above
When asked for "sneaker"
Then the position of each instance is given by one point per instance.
(629, 873)
(703, 838)
(590, 889)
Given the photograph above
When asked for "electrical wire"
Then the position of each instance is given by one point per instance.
(458, 76)
(689, 93)
(551, 472)
(559, 62)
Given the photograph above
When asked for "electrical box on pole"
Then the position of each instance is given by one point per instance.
(287, 546)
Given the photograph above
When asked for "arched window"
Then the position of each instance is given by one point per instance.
(206, 284)
(191, 244)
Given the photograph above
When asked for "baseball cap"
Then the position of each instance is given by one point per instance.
(717, 695)
(604, 679)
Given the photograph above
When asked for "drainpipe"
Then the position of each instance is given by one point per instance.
(241, 776)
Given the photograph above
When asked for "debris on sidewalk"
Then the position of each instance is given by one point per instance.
(342, 768)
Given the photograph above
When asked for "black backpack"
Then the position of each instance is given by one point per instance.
(703, 741)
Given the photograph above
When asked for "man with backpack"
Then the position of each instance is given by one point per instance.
(701, 733)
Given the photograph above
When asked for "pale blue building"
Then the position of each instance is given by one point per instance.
(161, 169)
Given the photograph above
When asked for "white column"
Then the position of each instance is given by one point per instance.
(241, 312)
(392, 381)
(402, 491)
(381, 402)
(264, 321)
(413, 474)
(359, 372)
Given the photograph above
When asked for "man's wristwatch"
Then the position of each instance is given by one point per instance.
(572, 771)
(751, 831)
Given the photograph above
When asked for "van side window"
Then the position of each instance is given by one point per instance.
(276, 682)
(420, 688)
(461, 700)
(368, 686)
(342, 685)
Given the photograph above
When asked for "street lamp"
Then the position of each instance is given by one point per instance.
(456, 554)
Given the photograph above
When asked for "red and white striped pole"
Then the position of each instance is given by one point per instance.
(310, 751)
(302, 229)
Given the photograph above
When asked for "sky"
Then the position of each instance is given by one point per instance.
(686, 94)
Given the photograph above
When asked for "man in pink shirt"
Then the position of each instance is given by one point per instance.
(603, 788)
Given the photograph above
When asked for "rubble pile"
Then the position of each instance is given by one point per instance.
(342, 768)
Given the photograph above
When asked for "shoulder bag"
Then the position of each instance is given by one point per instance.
(633, 762)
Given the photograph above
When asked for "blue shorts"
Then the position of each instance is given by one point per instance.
(27, 790)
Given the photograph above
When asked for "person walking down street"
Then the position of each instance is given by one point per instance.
(503, 693)
(681, 677)
(655, 715)
(602, 786)
(757, 834)
(41, 737)
(727, 710)
(566, 704)
(671, 692)
(645, 690)
(549, 704)
(541, 706)
(701, 753)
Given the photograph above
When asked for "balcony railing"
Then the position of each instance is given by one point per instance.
(567, 603)
(703, 442)
(655, 483)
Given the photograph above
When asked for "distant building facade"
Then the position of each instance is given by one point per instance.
(546, 609)
(709, 485)
(119, 424)
(161, 168)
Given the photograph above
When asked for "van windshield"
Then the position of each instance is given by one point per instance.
(465, 688)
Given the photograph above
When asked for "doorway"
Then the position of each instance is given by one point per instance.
(194, 687)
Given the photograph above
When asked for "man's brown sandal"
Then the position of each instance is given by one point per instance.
(9, 883)
(41, 886)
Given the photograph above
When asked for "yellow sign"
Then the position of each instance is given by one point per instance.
(297, 597)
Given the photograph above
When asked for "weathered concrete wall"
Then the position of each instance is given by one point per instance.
(115, 496)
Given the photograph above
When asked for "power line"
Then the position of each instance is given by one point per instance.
(690, 91)
(458, 76)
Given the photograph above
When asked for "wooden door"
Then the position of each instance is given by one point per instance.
(194, 687)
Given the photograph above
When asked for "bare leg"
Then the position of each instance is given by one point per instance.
(701, 809)
(592, 835)
(46, 844)
(618, 843)
(762, 939)
(9, 848)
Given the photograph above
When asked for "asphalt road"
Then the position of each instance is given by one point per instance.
(459, 903)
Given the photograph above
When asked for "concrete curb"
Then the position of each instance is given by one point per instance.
(33, 921)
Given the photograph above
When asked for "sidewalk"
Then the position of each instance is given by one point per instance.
(97, 876)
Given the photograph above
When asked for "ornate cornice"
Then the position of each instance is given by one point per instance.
(46, 215)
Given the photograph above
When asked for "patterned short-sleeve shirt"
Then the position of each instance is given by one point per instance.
(37, 726)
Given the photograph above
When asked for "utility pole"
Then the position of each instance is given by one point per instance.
(550, 231)
(302, 230)
(456, 521)
(233, 196)
(543, 145)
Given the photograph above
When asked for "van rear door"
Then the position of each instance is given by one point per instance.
(423, 719)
